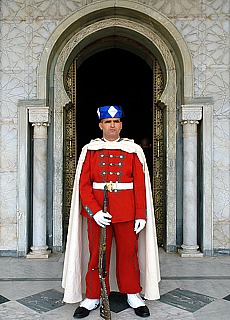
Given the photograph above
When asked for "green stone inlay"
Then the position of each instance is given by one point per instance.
(186, 299)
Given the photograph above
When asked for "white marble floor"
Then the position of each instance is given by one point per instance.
(191, 288)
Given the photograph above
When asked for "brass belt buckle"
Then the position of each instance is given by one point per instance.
(109, 186)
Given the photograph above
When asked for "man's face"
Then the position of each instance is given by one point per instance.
(111, 128)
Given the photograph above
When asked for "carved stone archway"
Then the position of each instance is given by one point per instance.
(131, 29)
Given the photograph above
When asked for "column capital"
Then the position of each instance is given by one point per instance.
(39, 116)
(190, 113)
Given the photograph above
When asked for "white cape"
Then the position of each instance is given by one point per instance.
(77, 254)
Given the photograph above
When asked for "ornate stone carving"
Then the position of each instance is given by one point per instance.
(190, 114)
(39, 116)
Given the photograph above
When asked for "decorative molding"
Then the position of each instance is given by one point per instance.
(190, 114)
(39, 116)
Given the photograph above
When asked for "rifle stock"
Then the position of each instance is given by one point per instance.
(105, 306)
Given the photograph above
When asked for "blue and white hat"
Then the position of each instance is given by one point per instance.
(110, 112)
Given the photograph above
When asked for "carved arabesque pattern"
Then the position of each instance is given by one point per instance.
(159, 189)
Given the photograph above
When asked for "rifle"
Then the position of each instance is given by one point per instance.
(105, 306)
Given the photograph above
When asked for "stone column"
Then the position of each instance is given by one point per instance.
(189, 117)
(40, 119)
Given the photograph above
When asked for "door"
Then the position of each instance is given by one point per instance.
(145, 117)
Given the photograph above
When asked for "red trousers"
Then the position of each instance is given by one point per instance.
(127, 267)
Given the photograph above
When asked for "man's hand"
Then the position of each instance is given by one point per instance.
(103, 219)
(139, 225)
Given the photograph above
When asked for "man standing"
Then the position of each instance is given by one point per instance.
(121, 163)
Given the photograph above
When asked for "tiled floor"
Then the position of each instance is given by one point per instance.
(191, 288)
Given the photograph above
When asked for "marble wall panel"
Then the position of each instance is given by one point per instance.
(41, 32)
(58, 9)
(12, 86)
(13, 45)
(221, 182)
(221, 142)
(8, 156)
(217, 87)
(209, 40)
(217, 42)
(55, 9)
(188, 8)
(221, 196)
(175, 8)
(221, 235)
(22, 45)
(8, 199)
(215, 7)
(8, 210)
(8, 235)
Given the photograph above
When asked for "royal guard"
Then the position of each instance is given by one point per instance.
(120, 164)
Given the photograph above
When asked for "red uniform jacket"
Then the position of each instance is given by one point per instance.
(113, 165)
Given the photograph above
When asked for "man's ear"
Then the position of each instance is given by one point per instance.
(100, 125)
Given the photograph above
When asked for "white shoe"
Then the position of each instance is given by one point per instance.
(135, 301)
(90, 304)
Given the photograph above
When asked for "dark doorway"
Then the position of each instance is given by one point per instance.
(114, 77)
(110, 77)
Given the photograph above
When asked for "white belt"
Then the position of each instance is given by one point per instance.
(113, 185)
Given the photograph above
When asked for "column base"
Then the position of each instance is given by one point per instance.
(39, 253)
(190, 252)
